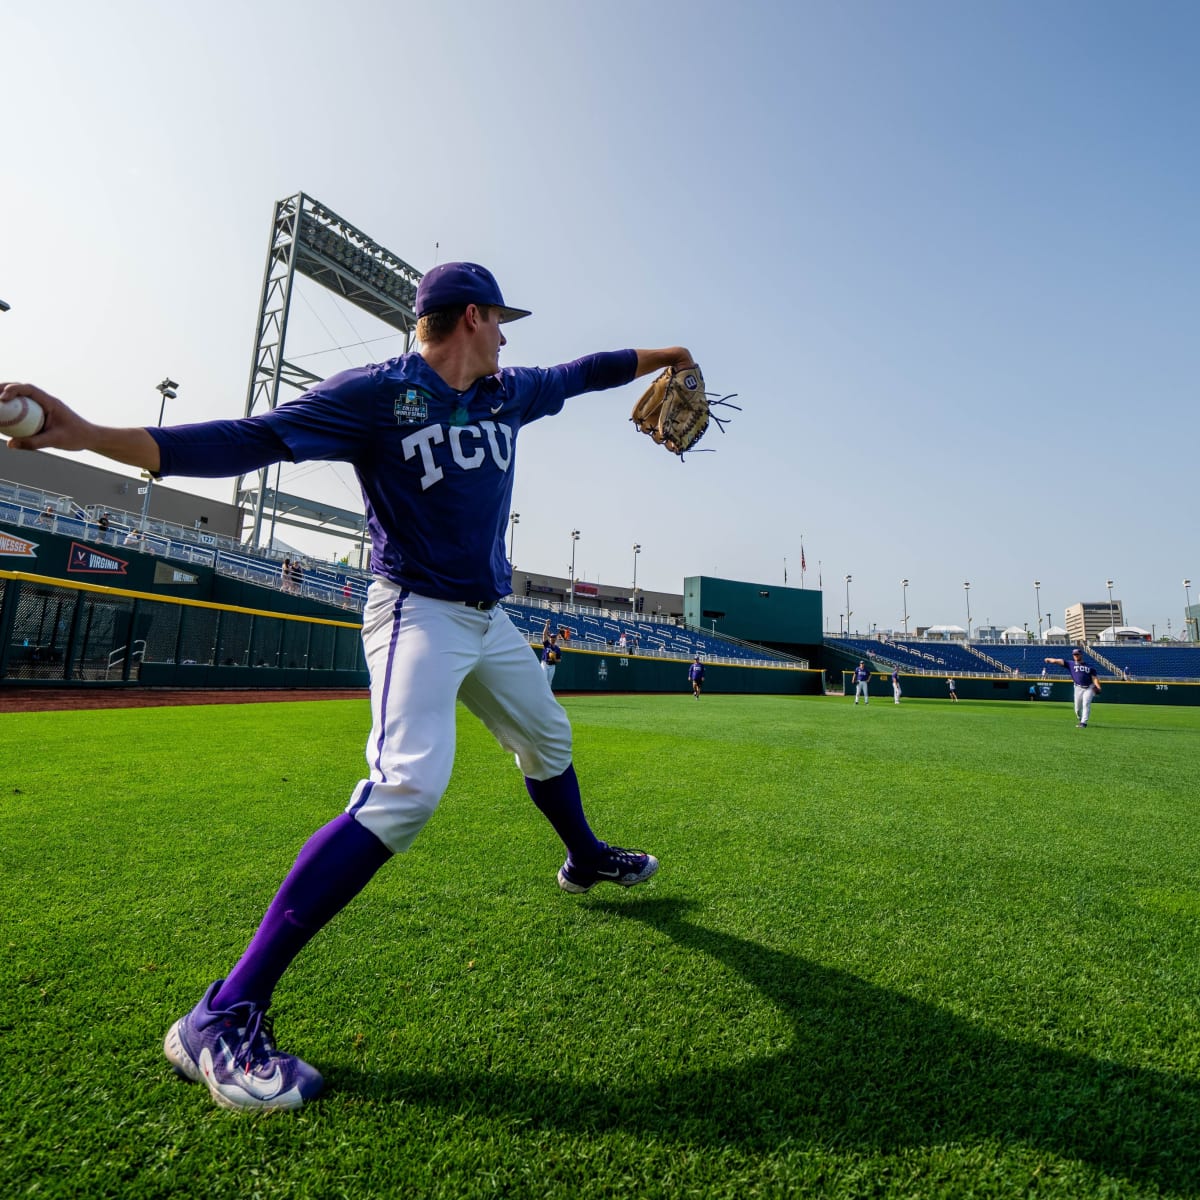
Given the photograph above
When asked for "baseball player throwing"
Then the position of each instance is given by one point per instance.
(551, 654)
(432, 436)
(1087, 684)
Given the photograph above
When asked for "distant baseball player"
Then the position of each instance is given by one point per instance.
(862, 677)
(1087, 684)
(432, 436)
(896, 683)
(953, 688)
(551, 654)
(696, 676)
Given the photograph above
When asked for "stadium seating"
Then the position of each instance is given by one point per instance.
(601, 629)
(1146, 660)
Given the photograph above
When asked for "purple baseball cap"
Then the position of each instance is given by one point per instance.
(456, 283)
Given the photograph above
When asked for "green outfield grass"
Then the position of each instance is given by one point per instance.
(926, 950)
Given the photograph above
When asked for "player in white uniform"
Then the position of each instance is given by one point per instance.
(432, 437)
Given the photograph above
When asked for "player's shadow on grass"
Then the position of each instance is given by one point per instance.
(867, 1069)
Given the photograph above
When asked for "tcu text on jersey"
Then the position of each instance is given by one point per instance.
(469, 445)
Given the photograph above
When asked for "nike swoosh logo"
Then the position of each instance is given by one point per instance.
(610, 874)
(260, 1089)
(495, 410)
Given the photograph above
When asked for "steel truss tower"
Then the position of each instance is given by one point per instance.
(308, 239)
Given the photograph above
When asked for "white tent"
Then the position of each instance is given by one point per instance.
(947, 632)
(1125, 633)
(1056, 633)
(1015, 633)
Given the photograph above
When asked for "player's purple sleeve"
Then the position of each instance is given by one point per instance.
(217, 449)
(543, 391)
(609, 369)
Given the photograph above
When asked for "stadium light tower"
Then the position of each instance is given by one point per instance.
(514, 519)
(637, 549)
(848, 605)
(1187, 612)
(967, 589)
(1112, 620)
(904, 585)
(1037, 595)
(574, 539)
(168, 390)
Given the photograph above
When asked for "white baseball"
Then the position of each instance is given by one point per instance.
(21, 417)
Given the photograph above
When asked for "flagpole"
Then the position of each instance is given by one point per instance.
(785, 570)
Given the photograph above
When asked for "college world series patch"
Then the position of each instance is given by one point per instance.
(412, 408)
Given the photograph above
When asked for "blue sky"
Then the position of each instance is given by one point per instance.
(947, 255)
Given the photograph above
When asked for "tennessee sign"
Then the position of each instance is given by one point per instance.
(83, 560)
(17, 547)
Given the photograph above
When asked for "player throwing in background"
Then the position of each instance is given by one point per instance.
(1087, 684)
(551, 654)
(432, 436)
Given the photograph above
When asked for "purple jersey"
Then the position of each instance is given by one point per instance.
(861, 674)
(1083, 674)
(435, 465)
(696, 672)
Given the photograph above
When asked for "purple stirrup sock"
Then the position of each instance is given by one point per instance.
(332, 868)
(559, 801)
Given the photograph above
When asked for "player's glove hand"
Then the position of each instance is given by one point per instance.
(675, 409)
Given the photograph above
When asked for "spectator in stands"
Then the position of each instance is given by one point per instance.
(346, 592)
(285, 576)
(551, 654)
(133, 539)
(1087, 684)
(623, 641)
(46, 520)
(861, 678)
(953, 692)
(102, 525)
(297, 577)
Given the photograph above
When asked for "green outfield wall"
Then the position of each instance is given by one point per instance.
(1116, 691)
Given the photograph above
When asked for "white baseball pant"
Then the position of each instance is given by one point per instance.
(860, 689)
(1083, 702)
(423, 655)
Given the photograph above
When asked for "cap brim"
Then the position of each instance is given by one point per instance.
(511, 314)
